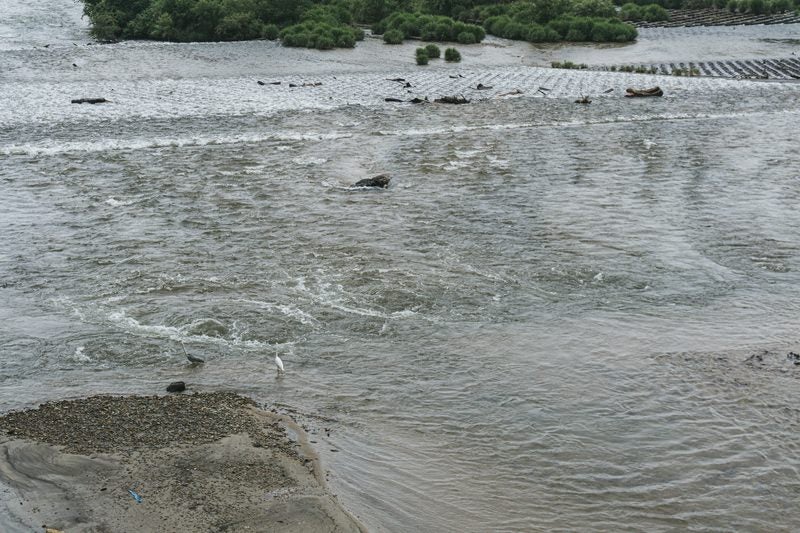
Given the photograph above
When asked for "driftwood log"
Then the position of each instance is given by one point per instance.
(380, 181)
(89, 101)
(653, 91)
(451, 100)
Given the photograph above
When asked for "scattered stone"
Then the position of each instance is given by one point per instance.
(381, 181)
(452, 100)
(89, 101)
(653, 91)
(176, 386)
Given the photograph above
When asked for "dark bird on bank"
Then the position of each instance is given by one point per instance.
(192, 358)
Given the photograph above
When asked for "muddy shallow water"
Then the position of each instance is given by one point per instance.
(543, 324)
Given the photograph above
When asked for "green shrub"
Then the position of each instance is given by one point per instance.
(270, 31)
(433, 51)
(593, 8)
(631, 11)
(427, 27)
(466, 37)
(393, 37)
(653, 13)
(452, 55)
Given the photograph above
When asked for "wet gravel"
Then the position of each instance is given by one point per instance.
(111, 424)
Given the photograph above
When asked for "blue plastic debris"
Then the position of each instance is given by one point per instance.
(135, 496)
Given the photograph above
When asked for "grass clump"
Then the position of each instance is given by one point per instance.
(638, 69)
(685, 71)
(569, 65)
(452, 55)
(433, 51)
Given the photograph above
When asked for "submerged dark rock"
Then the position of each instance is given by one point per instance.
(176, 386)
(89, 100)
(653, 91)
(452, 100)
(381, 181)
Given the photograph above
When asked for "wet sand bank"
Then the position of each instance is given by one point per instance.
(199, 462)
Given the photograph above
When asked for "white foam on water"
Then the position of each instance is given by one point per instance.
(309, 161)
(80, 356)
(287, 310)
(113, 202)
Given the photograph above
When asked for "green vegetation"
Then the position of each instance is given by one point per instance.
(433, 51)
(430, 28)
(686, 71)
(568, 65)
(452, 55)
(393, 37)
(760, 7)
(756, 7)
(638, 69)
(422, 56)
(328, 24)
(648, 13)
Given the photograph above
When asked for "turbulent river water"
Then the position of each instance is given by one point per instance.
(545, 323)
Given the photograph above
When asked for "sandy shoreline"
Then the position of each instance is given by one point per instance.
(199, 462)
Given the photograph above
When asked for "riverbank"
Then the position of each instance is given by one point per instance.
(194, 462)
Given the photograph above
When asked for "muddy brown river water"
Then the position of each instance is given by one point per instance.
(546, 322)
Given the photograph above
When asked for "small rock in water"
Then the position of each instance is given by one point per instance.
(176, 386)
(381, 181)
(89, 101)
